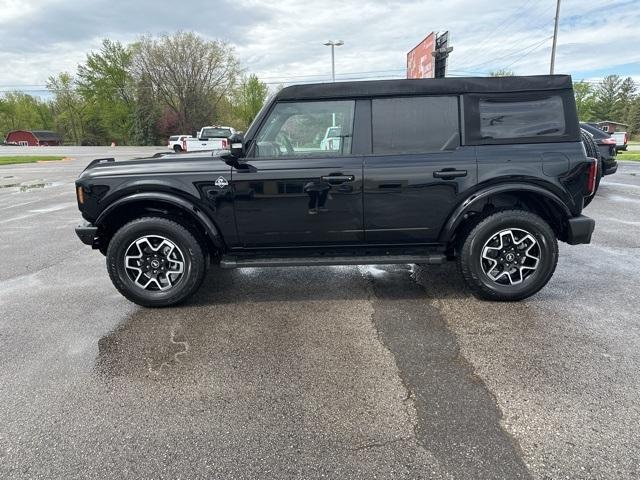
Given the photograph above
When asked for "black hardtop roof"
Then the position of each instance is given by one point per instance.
(426, 86)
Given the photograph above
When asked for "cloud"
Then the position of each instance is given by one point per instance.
(282, 41)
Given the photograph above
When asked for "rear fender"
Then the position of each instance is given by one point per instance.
(458, 214)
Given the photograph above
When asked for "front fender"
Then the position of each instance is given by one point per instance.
(175, 200)
(458, 214)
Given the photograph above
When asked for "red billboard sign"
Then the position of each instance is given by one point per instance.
(420, 60)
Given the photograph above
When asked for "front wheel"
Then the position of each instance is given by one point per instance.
(177, 148)
(155, 262)
(508, 256)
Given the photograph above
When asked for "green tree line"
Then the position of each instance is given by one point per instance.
(141, 93)
(613, 98)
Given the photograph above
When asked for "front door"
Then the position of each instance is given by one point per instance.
(300, 184)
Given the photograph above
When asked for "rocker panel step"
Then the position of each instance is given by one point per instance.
(231, 261)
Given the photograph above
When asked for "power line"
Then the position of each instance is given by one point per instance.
(516, 52)
(487, 37)
(527, 53)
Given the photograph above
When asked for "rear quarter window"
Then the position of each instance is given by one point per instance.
(501, 119)
(528, 117)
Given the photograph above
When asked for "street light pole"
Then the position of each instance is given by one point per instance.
(555, 39)
(333, 44)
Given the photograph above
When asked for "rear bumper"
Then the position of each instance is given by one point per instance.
(580, 229)
(87, 233)
(609, 166)
(609, 162)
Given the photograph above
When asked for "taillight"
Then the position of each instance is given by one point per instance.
(592, 175)
(225, 143)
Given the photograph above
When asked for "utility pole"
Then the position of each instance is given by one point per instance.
(333, 44)
(555, 38)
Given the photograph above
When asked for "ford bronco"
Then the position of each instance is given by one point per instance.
(489, 172)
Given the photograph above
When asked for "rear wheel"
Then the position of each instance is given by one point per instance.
(155, 262)
(508, 256)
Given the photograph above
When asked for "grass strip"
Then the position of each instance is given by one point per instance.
(9, 160)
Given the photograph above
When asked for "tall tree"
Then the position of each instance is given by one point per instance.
(189, 74)
(250, 98)
(68, 106)
(501, 73)
(21, 111)
(583, 92)
(607, 100)
(106, 84)
(146, 114)
(634, 116)
(628, 91)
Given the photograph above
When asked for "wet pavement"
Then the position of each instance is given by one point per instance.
(344, 372)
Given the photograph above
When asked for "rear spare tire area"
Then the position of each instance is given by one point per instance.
(591, 148)
(508, 256)
(155, 262)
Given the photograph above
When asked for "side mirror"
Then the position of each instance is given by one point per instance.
(237, 145)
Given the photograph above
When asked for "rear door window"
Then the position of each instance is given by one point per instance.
(415, 124)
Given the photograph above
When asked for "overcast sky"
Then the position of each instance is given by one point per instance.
(281, 40)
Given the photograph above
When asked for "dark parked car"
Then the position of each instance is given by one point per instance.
(607, 146)
(488, 171)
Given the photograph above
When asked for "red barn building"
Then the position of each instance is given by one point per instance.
(34, 138)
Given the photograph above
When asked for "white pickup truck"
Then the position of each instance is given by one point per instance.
(209, 138)
(621, 138)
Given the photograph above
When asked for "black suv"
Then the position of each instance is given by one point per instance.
(490, 171)
(606, 146)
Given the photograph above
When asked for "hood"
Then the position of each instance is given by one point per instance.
(159, 164)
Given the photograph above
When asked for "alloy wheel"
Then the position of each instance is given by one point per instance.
(510, 256)
(154, 262)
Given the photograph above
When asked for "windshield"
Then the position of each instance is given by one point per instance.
(215, 133)
(174, 138)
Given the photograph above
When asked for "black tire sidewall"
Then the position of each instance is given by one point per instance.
(472, 252)
(193, 257)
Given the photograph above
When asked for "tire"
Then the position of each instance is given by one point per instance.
(590, 146)
(177, 148)
(180, 273)
(483, 238)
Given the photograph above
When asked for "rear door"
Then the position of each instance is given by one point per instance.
(295, 189)
(418, 171)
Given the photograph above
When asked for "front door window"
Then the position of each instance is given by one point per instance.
(299, 129)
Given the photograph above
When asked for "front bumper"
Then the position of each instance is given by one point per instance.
(580, 229)
(87, 233)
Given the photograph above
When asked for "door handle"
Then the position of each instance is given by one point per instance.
(336, 179)
(449, 173)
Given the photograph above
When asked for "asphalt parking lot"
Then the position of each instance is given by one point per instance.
(349, 372)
